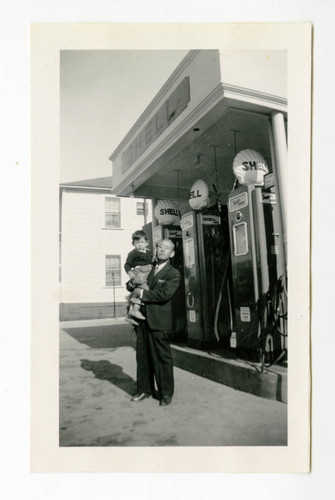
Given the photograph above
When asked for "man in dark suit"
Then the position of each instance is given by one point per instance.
(153, 351)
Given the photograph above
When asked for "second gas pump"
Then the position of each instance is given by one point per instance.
(207, 272)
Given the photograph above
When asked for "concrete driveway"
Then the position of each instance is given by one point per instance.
(97, 380)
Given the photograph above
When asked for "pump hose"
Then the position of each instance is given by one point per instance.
(278, 313)
(279, 301)
(217, 309)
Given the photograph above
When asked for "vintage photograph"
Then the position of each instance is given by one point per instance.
(166, 266)
(173, 276)
(170, 248)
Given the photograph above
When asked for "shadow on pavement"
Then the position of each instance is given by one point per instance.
(104, 370)
(107, 336)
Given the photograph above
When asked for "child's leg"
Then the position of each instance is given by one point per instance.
(136, 312)
(135, 300)
(133, 310)
(130, 318)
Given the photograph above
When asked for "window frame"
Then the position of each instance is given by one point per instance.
(112, 213)
(144, 209)
(109, 269)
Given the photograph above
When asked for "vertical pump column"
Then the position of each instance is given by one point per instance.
(280, 151)
(153, 205)
(280, 146)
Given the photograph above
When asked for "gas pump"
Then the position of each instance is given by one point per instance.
(257, 264)
(206, 257)
(174, 233)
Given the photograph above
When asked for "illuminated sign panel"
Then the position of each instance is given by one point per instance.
(168, 112)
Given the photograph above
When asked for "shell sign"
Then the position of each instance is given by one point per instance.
(199, 195)
(249, 167)
(166, 212)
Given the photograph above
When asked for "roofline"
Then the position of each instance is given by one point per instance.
(84, 188)
(158, 97)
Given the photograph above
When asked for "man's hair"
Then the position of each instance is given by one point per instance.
(137, 235)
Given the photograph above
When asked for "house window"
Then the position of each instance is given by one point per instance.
(140, 205)
(113, 270)
(112, 212)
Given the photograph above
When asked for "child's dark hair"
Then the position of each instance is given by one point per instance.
(138, 235)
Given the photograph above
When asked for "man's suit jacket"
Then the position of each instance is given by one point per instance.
(157, 299)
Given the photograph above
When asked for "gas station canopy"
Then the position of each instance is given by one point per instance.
(215, 104)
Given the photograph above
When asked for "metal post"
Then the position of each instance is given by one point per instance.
(235, 131)
(113, 278)
(153, 206)
(280, 149)
(145, 210)
(279, 201)
(178, 193)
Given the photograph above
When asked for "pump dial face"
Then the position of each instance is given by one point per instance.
(238, 215)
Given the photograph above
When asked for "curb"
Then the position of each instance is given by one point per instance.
(271, 383)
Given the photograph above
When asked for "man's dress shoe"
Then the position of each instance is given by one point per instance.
(166, 400)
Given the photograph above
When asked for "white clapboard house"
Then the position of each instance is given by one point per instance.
(95, 231)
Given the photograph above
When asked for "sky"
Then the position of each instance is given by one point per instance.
(102, 94)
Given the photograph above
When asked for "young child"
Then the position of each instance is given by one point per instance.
(139, 261)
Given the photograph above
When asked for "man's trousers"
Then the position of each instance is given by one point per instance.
(154, 361)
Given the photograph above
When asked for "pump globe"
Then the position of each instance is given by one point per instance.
(199, 195)
(166, 212)
(249, 167)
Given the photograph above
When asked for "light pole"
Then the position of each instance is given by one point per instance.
(113, 279)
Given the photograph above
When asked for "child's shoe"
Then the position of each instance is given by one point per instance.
(131, 321)
(135, 300)
(137, 314)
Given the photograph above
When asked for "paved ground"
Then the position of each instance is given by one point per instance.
(97, 380)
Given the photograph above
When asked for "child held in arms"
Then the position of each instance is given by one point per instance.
(139, 262)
